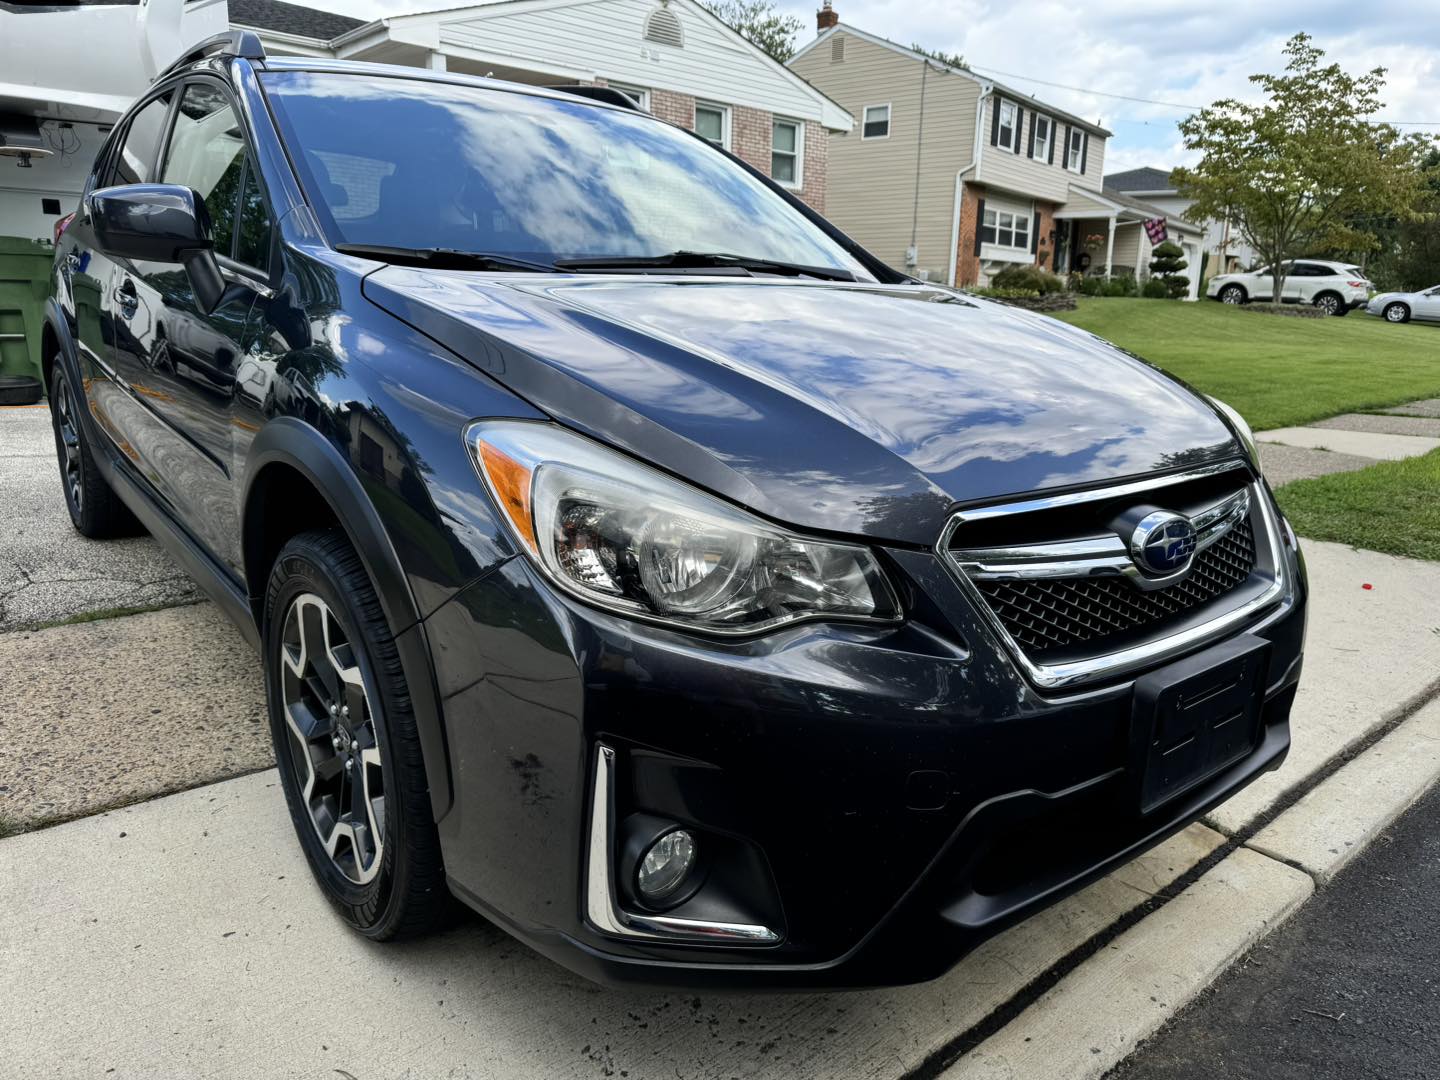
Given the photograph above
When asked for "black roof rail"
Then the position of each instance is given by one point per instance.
(599, 93)
(241, 43)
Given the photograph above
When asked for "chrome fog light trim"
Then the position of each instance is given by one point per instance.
(603, 910)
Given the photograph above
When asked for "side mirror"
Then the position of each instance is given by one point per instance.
(159, 223)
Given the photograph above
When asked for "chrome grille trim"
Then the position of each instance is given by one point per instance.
(1100, 555)
(1076, 674)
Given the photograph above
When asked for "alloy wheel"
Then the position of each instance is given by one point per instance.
(1328, 304)
(1230, 295)
(70, 462)
(1395, 313)
(333, 745)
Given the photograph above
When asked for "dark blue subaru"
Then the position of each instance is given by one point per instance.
(633, 556)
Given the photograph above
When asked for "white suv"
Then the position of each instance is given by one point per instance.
(1335, 287)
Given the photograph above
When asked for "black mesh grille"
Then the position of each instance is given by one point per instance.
(1045, 616)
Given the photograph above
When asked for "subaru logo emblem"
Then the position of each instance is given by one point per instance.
(1163, 543)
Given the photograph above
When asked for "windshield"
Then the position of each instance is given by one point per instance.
(417, 164)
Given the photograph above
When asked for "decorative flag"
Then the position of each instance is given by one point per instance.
(1156, 230)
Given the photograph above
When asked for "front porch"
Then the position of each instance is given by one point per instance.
(1104, 236)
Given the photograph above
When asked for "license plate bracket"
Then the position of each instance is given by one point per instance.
(1194, 718)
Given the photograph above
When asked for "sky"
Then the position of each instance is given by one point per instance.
(1179, 52)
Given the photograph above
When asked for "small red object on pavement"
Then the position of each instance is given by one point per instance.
(1367, 585)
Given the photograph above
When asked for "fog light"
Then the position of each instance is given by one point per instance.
(666, 865)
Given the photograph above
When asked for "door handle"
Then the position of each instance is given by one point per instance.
(127, 299)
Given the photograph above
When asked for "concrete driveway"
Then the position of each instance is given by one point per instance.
(48, 571)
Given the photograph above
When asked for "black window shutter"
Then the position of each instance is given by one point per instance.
(1084, 150)
(1035, 234)
(1065, 154)
(1031, 151)
(1019, 127)
(979, 224)
(995, 121)
(1052, 142)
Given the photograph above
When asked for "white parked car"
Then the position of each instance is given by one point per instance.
(1336, 287)
(1398, 307)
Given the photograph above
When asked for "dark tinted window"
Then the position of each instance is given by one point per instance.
(421, 164)
(135, 161)
(252, 243)
(207, 153)
(1312, 270)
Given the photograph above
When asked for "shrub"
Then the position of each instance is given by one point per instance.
(1122, 285)
(1027, 277)
(1155, 289)
(1005, 294)
(1169, 260)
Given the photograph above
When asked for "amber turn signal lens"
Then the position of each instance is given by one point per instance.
(511, 483)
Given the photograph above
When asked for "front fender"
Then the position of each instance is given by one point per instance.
(296, 445)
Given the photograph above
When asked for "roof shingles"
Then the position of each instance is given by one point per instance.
(291, 19)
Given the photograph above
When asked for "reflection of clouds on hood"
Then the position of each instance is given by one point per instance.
(941, 385)
(520, 173)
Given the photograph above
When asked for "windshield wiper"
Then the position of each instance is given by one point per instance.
(684, 260)
(444, 258)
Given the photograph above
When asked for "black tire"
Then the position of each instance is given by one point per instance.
(406, 895)
(1231, 294)
(1331, 303)
(1397, 312)
(95, 509)
(20, 390)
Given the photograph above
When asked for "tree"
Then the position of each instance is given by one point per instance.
(1168, 262)
(1297, 172)
(759, 23)
(1410, 255)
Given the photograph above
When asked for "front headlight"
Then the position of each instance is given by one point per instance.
(1242, 429)
(629, 538)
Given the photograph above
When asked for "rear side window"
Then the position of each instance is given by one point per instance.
(207, 153)
(135, 163)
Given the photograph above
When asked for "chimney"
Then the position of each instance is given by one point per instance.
(826, 17)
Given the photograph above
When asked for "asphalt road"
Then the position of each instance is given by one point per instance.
(1349, 989)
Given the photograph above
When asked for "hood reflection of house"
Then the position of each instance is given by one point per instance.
(375, 449)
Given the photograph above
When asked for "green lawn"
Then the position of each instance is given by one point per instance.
(1392, 507)
(1276, 371)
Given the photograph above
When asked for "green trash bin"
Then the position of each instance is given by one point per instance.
(24, 280)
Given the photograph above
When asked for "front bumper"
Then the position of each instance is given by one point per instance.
(908, 794)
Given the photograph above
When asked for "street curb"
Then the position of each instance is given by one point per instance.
(1336, 820)
(1098, 1013)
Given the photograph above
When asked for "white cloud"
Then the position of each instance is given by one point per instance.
(1166, 50)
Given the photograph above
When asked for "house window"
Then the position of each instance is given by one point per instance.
(786, 147)
(637, 94)
(712, 123)
(877, 122)
(1041, 129)
(1007, 133)
(1006, 229)
(1075, 153)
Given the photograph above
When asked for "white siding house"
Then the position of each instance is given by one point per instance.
(673, 56)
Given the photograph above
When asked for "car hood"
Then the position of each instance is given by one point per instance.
(848, 408)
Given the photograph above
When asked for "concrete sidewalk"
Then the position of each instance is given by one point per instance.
(220, 958)
(48, 571)
(1348, 442)
(184, 937)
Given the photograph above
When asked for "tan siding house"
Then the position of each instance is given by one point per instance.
(954, 176)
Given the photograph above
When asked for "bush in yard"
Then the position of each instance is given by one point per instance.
(994, 293)
(1169, 260)
(1155, 289)
(1093, 286)
(1027, 277)
(1122, 285)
